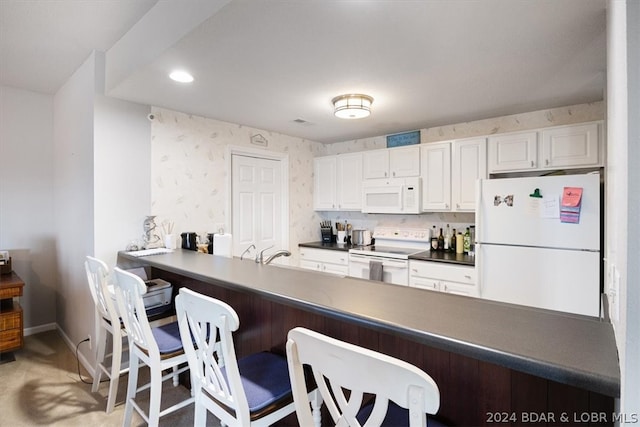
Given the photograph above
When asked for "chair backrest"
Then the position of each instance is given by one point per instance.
(129, 289)
(202, 320)
(98, 279)
(338, 366)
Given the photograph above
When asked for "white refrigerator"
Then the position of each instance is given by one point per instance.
(528, 254)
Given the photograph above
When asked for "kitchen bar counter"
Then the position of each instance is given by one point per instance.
(576, 354)
(333, 246)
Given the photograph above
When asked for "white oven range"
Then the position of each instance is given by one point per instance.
(391, 250)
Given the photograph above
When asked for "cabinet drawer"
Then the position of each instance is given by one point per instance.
(15, 291)
(325, 255)
(10, 340)
(442, 271)
(11, 321)
(424, 283)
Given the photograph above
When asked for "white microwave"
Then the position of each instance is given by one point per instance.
(391, 196)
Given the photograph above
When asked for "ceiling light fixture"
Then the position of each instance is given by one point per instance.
(181, 76)
(352, 106)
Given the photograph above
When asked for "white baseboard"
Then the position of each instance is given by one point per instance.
(81, 357)
(39, 328)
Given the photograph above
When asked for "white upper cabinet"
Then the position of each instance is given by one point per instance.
(570, 146)
(513, 152)
(324, 183)
(376, 164)
(468, 165)
(349, 181)
(404, 161)
(392, 162)
(436, 176)
(337, 182)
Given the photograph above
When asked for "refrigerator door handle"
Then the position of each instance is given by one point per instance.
(478, 265)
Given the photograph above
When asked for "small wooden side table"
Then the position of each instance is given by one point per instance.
(11, 331)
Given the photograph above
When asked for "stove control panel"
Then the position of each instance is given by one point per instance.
(405, 234)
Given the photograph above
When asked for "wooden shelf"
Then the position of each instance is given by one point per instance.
(11, 318)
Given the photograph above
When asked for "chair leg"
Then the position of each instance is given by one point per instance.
(200, 412)
(176, 377)
(154, 398)
(316, 404)
(132, 385)
(100, 343)
(116, 359)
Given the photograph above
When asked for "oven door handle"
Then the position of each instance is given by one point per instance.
(386, 262)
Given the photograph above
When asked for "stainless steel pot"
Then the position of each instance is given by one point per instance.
(360, 237)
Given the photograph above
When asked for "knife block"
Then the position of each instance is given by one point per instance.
(6, 268)
(327, 234)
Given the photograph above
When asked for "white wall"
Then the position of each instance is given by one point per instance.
(73, 196)
(26, 199)
(122, 170)
(623, 188)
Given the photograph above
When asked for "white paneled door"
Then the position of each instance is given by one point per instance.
(256, 204)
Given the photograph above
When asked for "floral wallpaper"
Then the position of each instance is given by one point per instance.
(190, 179)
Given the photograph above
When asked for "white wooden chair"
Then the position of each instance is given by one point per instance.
(160, 348)
(251, 391)
(345, 374)
(107, 321)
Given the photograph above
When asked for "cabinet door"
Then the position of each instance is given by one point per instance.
(459, 288)
(468, 165)
(404, 162)
(349, 181)
(569, 146)
(310, 265)
(512, 152)
(376, 164)
(324, 183)
(424, 283)
(339, 270)
(436, 176)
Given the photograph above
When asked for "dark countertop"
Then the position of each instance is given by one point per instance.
(576, 350)
(446, 257)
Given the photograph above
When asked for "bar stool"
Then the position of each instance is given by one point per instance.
(107, 322)
(251, 391)
(346, 373)
(160, 348)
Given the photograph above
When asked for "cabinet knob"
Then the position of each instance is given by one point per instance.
(385, 174)
(546, 162)
(446, 205)
(467, 276)
(394, 173)
(532, 164)
(457, 205)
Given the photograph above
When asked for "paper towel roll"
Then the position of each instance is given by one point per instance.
(222, 245)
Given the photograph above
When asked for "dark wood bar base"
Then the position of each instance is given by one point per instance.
(473, 392)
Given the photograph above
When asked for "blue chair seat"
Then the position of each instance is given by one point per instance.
(265, 379)
(167, 337)
(396, 416)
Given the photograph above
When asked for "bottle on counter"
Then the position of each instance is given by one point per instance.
(459, 243)
(467, 241)
(452, 244)
(434, 239)
(472, 243)
(447, 239)
(440, 241)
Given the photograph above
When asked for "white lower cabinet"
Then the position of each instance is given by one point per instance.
(325, 260)
(443, 277)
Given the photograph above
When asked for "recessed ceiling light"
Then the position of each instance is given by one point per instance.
(181, 76)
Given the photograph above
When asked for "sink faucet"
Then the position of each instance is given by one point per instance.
(252, 246)
(259, 255)
(275, 255)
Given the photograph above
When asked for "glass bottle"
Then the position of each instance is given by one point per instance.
(447, 239)
(459, 243)
(434, 239)
(452, 244)
(467, 241)
(440, 241)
